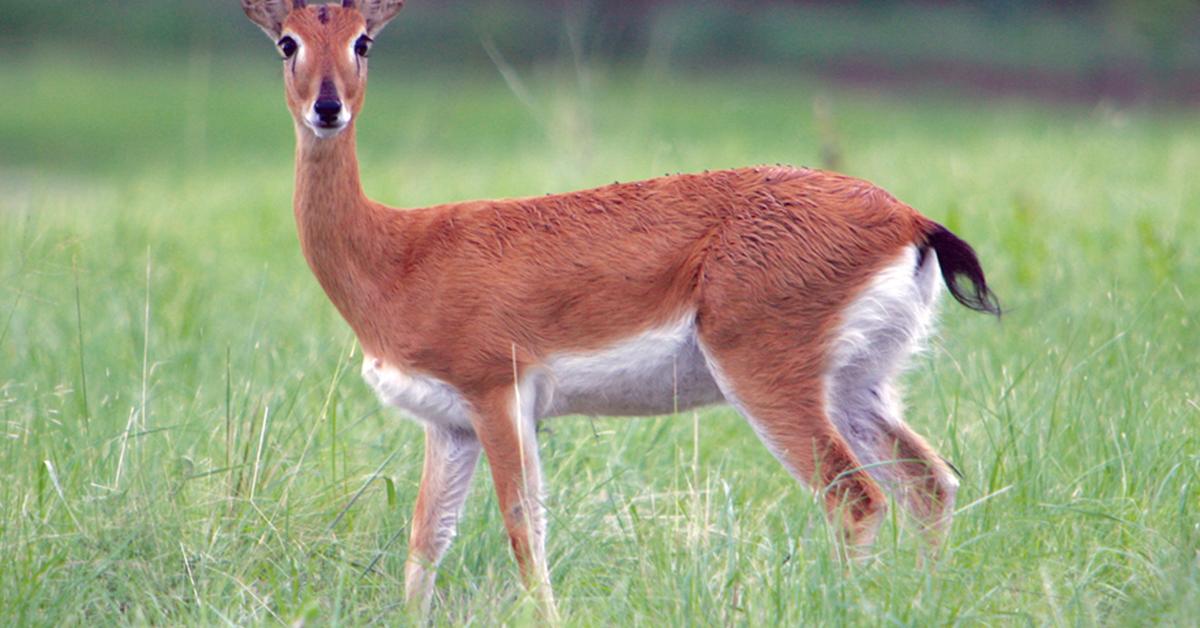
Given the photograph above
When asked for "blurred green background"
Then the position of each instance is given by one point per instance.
(1073, 53)
(1123, 48)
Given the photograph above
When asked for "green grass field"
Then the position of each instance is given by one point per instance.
(187, 440)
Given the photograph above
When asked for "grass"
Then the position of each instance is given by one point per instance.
(186, 439)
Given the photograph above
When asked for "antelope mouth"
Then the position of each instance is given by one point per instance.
(324, 126)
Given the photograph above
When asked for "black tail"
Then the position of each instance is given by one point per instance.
(957, 259)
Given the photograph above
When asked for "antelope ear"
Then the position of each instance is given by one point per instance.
(377, 12)
(269, 14)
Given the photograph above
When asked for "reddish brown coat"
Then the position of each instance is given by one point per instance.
(450, 290)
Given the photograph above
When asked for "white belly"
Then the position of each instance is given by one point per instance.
(659, 371)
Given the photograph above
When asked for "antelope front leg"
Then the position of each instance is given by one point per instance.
(508, 433)
(450, 459)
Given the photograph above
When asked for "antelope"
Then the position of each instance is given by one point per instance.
(794, 295)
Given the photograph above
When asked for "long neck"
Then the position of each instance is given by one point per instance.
(336, 221)
(328, 189)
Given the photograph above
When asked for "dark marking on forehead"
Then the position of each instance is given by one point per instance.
(323, 14)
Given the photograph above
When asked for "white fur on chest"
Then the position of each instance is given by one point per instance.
(422, 397)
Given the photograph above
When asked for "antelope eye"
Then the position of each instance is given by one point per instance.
(362, 47)
(288, 47)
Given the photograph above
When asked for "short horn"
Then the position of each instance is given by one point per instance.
(299, 4)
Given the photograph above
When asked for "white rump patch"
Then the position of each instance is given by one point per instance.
(880, 331)
(888, 321)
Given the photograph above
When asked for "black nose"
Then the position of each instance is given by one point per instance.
(328, 110)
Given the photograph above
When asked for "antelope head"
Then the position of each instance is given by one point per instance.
(324, 49)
